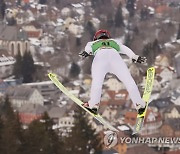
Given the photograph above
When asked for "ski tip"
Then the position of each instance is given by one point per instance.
(134, 133)
(51, 75)
(152, 68)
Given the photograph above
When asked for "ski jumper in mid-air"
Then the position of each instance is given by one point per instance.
(107, 59)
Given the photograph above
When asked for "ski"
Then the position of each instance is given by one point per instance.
(98, 117)
(146, 96)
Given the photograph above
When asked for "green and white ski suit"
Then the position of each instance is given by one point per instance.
(107, 59)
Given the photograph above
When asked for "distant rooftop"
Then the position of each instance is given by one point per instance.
(12, 33)
(39, 83)
(32, 108)
(6, 61)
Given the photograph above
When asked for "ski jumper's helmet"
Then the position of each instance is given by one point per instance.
(101, 34)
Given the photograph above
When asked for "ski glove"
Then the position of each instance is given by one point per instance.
(139, 59)
(84, 54)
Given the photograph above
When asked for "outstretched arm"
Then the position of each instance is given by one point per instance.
(135, 58)
(127, 51)
(87, 52)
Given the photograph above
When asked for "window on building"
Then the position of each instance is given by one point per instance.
(27, 46)
(12, 48)
(19, 47)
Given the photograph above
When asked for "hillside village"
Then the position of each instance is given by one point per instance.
(55, 34)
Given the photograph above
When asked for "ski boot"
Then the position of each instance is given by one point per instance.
(140, 109)
(93, 110)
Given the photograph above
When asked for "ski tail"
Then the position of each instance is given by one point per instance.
(146, 96)
(76, 100)
(149, 84)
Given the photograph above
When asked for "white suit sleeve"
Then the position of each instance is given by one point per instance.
(127, 51)
(88, 48)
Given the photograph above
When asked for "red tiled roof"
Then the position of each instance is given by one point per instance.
(28, 118)
(159, 69)
(130, 117)
(26, 1)
(173, 152)
(157, 117)
(113, 102)
(162, 8)
(112, 93)
(35, 34)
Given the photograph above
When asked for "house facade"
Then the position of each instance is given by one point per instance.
(13, 39)
(156, 85)
(23, 17)
(130, 117)
(66, 122)
(152, 123)
(6, 66)
(46, 88)
(114, 98)
(32, 31)
(172, 112)
(165, 73)
(56, 113)
(109, 113)
(46, 40)
(175, 96)
(30, 112)
(162, 60)
(171, 127)
(66, 12)
(21, 95)
(177, 64)
(114, 85)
